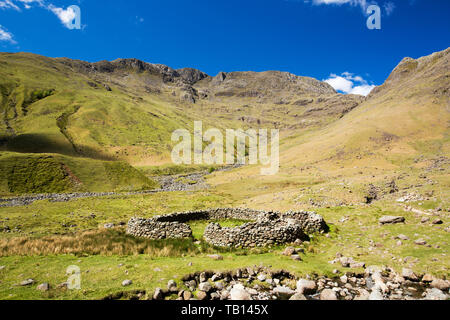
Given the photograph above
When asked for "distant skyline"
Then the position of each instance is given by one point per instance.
(324, 39)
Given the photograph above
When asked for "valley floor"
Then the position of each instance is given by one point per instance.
(44, 238)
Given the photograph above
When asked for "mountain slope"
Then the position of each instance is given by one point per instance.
(408, 112)
(399, 133)
(127, 109)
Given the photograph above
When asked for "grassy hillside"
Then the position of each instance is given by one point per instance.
(52, 173)
(400, 132)
(127, 110)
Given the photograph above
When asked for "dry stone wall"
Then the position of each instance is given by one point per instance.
(264, 229)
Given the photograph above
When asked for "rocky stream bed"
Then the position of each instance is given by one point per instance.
(262, 283)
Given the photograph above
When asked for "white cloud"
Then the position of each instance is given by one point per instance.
(66, 16)
(6, 36)
(8, 4)
(363, 90)
(389, 6)
(340, 83)
(362, 3)
(349, 83)
(13, 4)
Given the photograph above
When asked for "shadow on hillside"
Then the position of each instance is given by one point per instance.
(39, 143)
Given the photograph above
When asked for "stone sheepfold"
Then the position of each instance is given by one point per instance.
(264, 229)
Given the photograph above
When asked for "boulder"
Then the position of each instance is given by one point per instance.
(428, 278)
(440, 284)
(391, 219)
(298, 296)
(43, 287)
(283, 293)
(402, 237)
(126, 283)
(306, 286)
(158, 295)
(296, 257)
(172, 286)
(238, 293)
(202, 295)
(328, 294)
(435, 294)
(363, 295)
(420, 242)
(289, 251)
(262, 277)
(408, 274)
(205, 286)
(27, 282)
(187, 295)
(376, 294)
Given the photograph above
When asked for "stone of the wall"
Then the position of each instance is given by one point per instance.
(152, 229)
(266, 228)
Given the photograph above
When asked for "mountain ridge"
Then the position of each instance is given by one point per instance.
(127, 109)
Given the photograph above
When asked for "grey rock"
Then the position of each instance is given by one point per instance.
(391, 219)
(289, 251)
(435, 294)
(219, 286)
(306, 286)
(187, 295)
(420, 242)
(298, 296)
(215, 296)
(296, 257)
(27, 282)
(158, 295)
(43, 287)
(202, 295)
(283, 292)
(328, 294)
(262, 277)
(205, 286)
(238, 293)
(376, 294)
(440, 284)
(409, 275)
(402, 237)
(172, 286)
(126, 283)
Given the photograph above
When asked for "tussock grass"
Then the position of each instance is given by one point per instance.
(97, 242)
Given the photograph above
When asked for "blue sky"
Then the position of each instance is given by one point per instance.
(324, 39)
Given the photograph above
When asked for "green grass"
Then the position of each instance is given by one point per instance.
(198, 227)
(46, 218)
(360, 237)
(102, 276)
(172, 169)
(52, 173)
